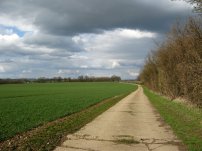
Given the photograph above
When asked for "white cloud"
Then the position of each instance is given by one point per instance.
(21, 23)
(115, 64)
(132, 73)
(108, 39)
(68, 72)
(27, 71)
(81, 57)
(129, 33)
(2, 69)
(110, 52)
(8, 39)
(84, 66)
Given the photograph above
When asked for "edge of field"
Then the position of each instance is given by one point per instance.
(48, 136)
(186, 121)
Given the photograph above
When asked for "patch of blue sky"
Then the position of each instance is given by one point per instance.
(13, 30)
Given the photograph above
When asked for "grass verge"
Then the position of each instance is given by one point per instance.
(185, 121)
(48, 136)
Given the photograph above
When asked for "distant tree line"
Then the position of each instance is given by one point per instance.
(113, 78)
(175, 68)
(14, 81)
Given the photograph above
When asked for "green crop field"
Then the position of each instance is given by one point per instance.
(25, 106)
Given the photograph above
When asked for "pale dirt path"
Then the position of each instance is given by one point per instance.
(133, 118)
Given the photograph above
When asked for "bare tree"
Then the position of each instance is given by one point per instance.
(197, 5)
(175, 68)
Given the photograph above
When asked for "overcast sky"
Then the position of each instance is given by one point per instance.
(68, 38)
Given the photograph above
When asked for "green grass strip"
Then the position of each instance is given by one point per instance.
(185, 121)
(47, 137)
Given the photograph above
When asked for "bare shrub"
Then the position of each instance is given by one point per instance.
(175, 69)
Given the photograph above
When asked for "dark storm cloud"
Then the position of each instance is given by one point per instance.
(51, 41)
(78, 16)
(66, 17)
